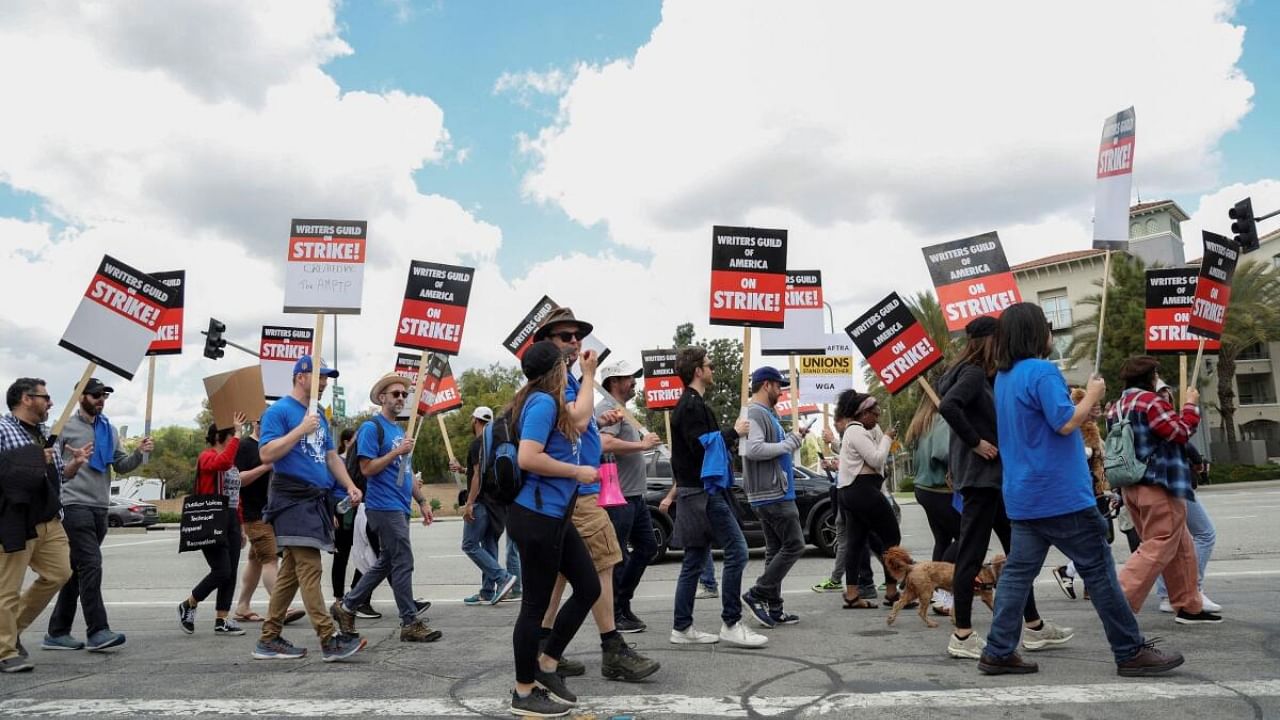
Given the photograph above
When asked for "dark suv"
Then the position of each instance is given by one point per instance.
(813, 499)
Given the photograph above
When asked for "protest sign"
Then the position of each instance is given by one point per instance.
(324, 266)
(896, 346)
(435, 307)
(1115, 182)
(235, 391)
(1213, 286)
(972, 278)
(804, 330)
(439, 390)
(824, 377)
(278, 350)
(117, 318)
(784, 405)
(662, 387)
(522, 337)
(168, 337)
(748, 276)
(1170, 296)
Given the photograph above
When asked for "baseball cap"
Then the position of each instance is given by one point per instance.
(95, 386)
(618, 368)
(303, 365)
(767, 374)
(483, 414)
(540, 358)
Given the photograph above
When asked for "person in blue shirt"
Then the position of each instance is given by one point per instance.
(550, 546)
(297, 440)
(1048, 495)
(386, 462)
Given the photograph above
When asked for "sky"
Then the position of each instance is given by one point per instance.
(583, 150)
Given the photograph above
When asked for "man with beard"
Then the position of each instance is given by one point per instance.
(85, 498)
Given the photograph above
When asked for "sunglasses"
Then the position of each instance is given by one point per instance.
(568, 336)
(397, 394)
(45, 398)
(96, 395)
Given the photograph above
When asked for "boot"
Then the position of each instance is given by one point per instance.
(620, 662)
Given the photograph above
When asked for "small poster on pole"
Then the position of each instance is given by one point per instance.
(894, 343)
(439, 392)
(324, 266)
(824, 377)
(1213, 286)
(435, 307)
(972, 278)
(117, 318)
(1170, 295)
(278, 350)
(748, 276)
(662, 387)
(805, 329)
(1115, 182)
(168, 338)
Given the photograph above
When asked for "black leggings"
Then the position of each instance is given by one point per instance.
(983, 512)
(343, 537)
(866, 510)
(223, 561)
(548, 547)
(944, 522)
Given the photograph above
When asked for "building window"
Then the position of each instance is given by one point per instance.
(1061, 343)
(1256, 389)
(1256, 351)
(1275, 262)
(1057, 308)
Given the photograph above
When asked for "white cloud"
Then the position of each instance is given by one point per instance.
(526, 85)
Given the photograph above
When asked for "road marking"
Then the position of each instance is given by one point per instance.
(138, 542)
(808, 705)
(1239, 517)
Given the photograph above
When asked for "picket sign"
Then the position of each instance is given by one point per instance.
(315, 361)
(1195, 373)
(417, 395)
(444, 433)
(1182, 379)
(151, 389)
(72, 402)
(795, 395)
(666, 418)
(1102, 312)
(746, 368)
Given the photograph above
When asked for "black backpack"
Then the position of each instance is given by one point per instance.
(501, 478)
(353, 457)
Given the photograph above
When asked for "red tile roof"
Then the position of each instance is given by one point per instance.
(1055, 259)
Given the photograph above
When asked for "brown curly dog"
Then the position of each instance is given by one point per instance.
(921, 579)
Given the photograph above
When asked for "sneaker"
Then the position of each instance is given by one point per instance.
(504, 589)
(969, 648)
(1149, 661)
(1165, 605)
(1204, 617)
(941, 602)
(742, 636)
(277, 648)
(1065, 581)
(565, 667)
(418, 631)
(1209, 605)
(689, 636)
(227, 626)
(555, 687)
(367, 612)
(629, 625)
(16, 664)
(827, 585)
(620, 661)
(782, 617)
(1012, 665)
(105, 641)
(758, 609)
(61, 642)
(420, 609)
(706, 592)
(475, 600)
(538, 703)
(186, 618)
(513, 596)
(341, 646)
(345, 618)
(1048, 634)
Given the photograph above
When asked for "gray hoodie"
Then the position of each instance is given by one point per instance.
(89, 487)
(763, 478)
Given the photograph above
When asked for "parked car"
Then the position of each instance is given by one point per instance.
(124, 512)
(813, 499)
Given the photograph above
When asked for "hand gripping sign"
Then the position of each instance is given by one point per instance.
(1115, 181)
(662, 387)
(896, 346)
(748, 276)
(435, 307)
(278, 350)
(1213, 287)
(118, 317)
(1170, 295)
(972, 278)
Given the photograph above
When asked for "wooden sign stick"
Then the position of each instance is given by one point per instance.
(1102, 311)
(444, 433)
(417, 394)
(72, 402)
(1182, 379)
(1195, 369)
(151, 390)
(317, 342)
(746, 365)
(666, 418)
(928, 390)
(795, 394)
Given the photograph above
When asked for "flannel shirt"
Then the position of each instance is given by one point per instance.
(14, 436)
(1160, 435)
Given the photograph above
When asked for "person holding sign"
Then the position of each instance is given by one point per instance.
(85, 498)
(1048, 492)
(297, 442)
(31, 534)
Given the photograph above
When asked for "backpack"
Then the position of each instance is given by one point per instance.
(1121, 463)
(353, 457)
(501, 478)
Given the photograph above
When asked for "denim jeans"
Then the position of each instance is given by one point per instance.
(708, 576)
(726, 534)
(395, 561)
(1082, 537)
(513, 563)
(635, 537)
(1203, 535)
(480, 543)
(85, 527)
(784, 545)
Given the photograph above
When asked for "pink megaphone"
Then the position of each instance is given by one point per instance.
(610, 488)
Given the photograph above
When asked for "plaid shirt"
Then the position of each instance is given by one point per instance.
(1160, 435)
(13, 436)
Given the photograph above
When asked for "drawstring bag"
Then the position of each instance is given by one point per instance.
(610, 488)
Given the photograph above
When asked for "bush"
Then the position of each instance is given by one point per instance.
(1223, 474)
(170, 517)
(907, 483)
(435, 505)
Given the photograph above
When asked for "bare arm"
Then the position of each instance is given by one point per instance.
(338, 469)
(533, 458)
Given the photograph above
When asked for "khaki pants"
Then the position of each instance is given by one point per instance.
(49, 556)
(1167, 548)
(300, 569)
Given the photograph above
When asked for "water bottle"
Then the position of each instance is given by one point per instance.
(344, 505)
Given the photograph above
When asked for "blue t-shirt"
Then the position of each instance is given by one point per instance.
(305, 460)
(537, 423)
(590, 447)
(389, 489)
(788, 466)
(1045, 473)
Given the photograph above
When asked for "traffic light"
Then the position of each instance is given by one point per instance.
(1245, 226)
(213, 342)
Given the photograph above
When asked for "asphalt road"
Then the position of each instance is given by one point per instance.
(834, 663)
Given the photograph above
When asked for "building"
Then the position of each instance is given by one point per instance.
(1059, 283)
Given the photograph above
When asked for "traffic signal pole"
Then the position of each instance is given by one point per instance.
(237, 346)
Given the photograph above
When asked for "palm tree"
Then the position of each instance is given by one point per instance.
(1252, 317)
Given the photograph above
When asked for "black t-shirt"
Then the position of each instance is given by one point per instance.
(253, 497)
(473, 459)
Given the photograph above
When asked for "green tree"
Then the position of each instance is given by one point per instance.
(725, 395)
(493, 387)
(1253, 317)
(899, 408)
(174, 458)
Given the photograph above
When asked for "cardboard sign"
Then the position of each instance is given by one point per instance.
(1115, 182)
(435, 307)
(1213, 286)
(805, 330)
(168, 337)
(972, 278)
(824, 377)
(324, 266)
(439, 392)
(279, 349)
(748, 276)
(118, 317)
(662, 387)
(896, 346)
(1170, 295)
(235, 391)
